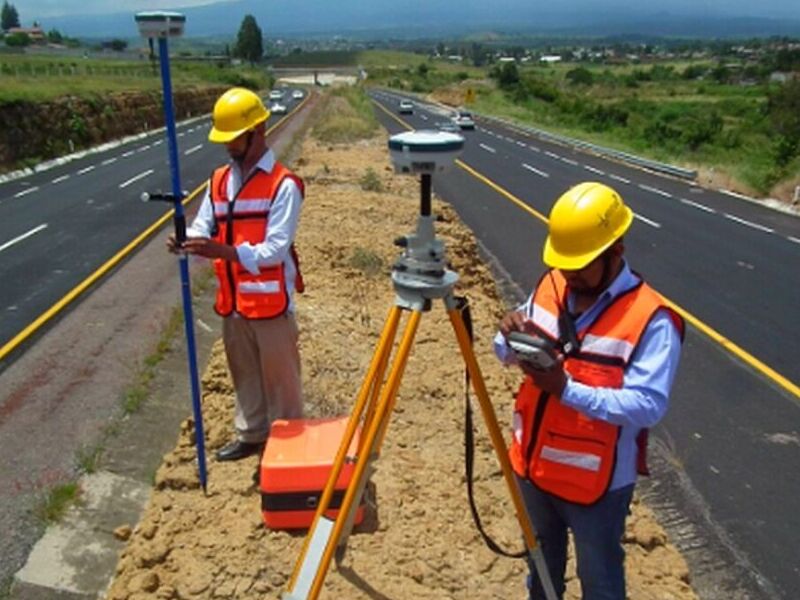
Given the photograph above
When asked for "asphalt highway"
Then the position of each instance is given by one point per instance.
(731, 438)
(60, 225)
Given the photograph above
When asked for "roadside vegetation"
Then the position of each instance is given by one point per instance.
(724, 117)
(347, 115)
(43, 78)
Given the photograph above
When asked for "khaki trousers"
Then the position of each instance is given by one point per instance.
(265, 366)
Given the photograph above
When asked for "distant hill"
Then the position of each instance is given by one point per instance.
(434, 18)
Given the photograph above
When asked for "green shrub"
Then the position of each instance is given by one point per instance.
(580, 76)
(370, 182)
(366, 261)
(347, 116)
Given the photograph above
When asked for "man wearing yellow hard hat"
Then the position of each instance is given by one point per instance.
(599, 350)
(246, 224)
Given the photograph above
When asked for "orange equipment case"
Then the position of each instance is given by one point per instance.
(295, 467)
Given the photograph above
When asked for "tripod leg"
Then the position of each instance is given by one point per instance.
(324, 536)
(499, 444)
(377, 367)
(371, 382)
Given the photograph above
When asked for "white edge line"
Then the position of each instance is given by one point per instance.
(654, 190)
(708, 209)
(135, 178)
(648, 221)
(791, 238)
(535, 170)
(748, 223)
(26, 192)
(19, 238)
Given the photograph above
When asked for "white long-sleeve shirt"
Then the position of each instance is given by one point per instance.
(643, 398)
(284, 214)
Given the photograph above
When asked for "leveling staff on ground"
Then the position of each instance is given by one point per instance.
(247, 223)
(580, 428)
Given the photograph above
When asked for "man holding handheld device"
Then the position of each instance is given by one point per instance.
(599, 350)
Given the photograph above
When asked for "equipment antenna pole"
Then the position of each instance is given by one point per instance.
(163, 25)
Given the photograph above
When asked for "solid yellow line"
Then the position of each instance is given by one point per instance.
(717, 337)
(727, 344)
(501, 191)
(391, 114)
(751, 360)
(81, 287)
(9, 346)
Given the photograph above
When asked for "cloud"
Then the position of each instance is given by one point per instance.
(37, 9)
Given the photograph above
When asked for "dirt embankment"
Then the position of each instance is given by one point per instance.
(418, 540)
(44, 130)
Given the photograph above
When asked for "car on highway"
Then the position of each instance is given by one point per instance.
(297, 94)
(464, 120)
(276, 95)
(449, 126)
(276, 108)
(406, 107)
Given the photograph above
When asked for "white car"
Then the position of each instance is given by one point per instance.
(297, 94)
(276, 108)
(406, 107)
(275, 95)
(464, 120)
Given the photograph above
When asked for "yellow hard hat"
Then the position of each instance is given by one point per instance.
(237, 111)
(584, 221)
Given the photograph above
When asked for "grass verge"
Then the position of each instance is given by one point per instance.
(346, 116)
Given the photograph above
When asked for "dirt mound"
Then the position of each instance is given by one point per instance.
(419, 540)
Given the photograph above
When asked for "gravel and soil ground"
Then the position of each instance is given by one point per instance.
(418, 540)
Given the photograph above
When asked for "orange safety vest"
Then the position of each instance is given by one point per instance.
(245, 218)
(561, 450)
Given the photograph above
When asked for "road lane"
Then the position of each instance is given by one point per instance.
(93, 208)
(730, 431)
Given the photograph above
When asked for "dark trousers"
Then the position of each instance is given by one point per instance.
(597, 530)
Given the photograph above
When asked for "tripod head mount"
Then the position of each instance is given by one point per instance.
(421, 274)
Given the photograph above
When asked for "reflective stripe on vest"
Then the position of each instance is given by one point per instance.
(245, 219)
(563, 451)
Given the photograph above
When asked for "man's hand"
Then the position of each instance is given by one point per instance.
(172, 244)
(551, 381)
(514, 321)
(208, 248)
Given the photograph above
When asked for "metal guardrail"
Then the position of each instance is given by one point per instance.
(599, 150)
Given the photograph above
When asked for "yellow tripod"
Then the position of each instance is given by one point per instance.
(419, 277)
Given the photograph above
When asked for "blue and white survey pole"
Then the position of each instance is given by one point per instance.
(162, 25)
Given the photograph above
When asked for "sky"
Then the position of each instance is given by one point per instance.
(31, 10)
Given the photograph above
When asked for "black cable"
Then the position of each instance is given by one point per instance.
(462, 304)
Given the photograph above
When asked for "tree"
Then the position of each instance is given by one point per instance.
(17, 40)
(783, 108)
(249, 41)
(507, 75)
(8, 16)
(117, 45)
(580, 76)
